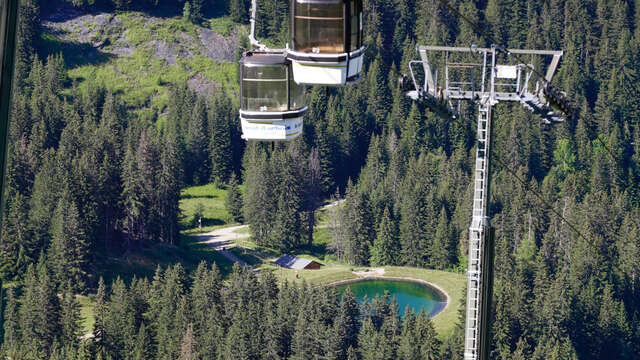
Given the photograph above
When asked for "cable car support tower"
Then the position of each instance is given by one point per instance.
(485, 83)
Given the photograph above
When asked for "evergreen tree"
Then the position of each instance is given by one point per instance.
(379, 101)
(442, 251)
(39, 311)
(258, 200)
(233, 201)
(197, 10)
(386, 247)
(359, 232)
(10, 319)
(68, 253)
(220, 135)
(287, 228)
(142, 349)
(197, 145)
(188, 349)
(238, 11)
(15, 245)
(69, 317)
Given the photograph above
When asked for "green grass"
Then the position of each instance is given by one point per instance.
(327, 274)
(453, 284)
(215, 214)
(143, 263)
(86, 313)
(142, 81)
(244, 230)
(224, 26)
(247, 255)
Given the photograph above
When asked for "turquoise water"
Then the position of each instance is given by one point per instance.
(415, 295)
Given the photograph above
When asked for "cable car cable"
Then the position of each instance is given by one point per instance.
(565, 107)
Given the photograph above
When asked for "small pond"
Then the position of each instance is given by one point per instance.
(414, 294)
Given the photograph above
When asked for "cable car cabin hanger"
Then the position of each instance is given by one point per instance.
(326, 46)
(272, 105)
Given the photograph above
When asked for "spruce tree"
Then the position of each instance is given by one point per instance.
(359, 231)
(188, 350)
(142, 348)
(69, 253)
(11, 320)
(238, 11)
(386, 247)
(39, 312)
(379, 102)
(197, 145)
(15, 245)
(443, 248)
(69, 317)
(259, 202)
(100, 313)
(233, 201)
(221, 149)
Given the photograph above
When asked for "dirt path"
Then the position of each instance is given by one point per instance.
(222, 239)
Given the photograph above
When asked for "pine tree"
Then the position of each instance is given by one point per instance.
(379, 101)
(443, 248)
(26, 39)
(39, 312)
(197, 145)
(238, 11)
(11, 328)
(142, 349)
(168, 189)
(259, 202)
(386, 247)
(287, 227)
(100, 311)
(413, 216)
(69, 317)
(233, 201)
(414, 131)
(311, 192)
(15, 247)
(359, 231)
(197, 10)
(220, 135)
(119, 325)
(189, 345)
(68, 253)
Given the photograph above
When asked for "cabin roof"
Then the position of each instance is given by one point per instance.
(293, 262)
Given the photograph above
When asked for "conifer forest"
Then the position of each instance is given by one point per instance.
(96, 169)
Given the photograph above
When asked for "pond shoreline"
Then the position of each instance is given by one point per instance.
(437, 288)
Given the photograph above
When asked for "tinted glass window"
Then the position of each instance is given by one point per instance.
(264, 88)
(297, 95)
(319, 27)
(356, 24)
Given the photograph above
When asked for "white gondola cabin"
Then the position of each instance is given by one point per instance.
(326, 44)
(272, 104)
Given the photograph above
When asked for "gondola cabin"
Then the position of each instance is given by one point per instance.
(326, 46)
(272, 104)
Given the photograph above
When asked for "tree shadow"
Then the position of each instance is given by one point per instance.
(207, 196)
(212, 222)
(63, 11)
(75, 54)
(316, 250)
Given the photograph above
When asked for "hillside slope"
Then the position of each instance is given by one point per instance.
(138, 55)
